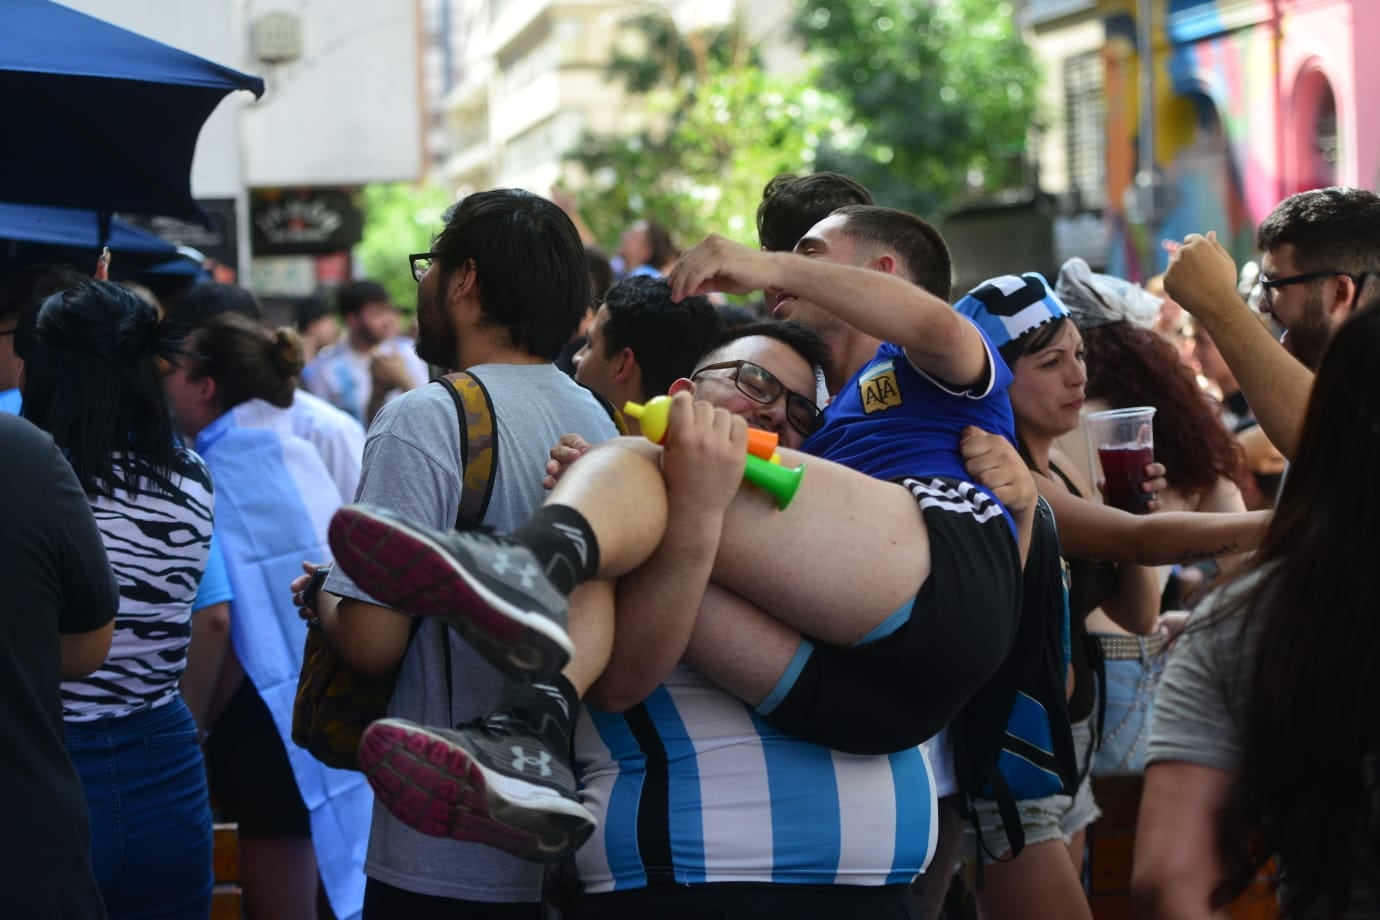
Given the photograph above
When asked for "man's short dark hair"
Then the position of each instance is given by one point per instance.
(804, 342)
(791, 205)
(923, 253)
(529, 265)
(351, 297)
(666, 337)
(210, 298)
(1329, 228)
(307, 311)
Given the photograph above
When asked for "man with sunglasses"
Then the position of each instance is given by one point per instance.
(1321, 254)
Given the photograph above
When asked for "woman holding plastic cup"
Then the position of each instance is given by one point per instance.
(1143, 400)
(1108, 550)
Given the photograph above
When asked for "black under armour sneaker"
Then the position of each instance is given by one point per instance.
(490, 590)
(496, 782)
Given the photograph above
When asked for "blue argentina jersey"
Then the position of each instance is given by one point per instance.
(692, 787)
(892, 420)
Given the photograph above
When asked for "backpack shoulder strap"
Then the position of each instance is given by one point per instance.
(478, 445)
(618, 421)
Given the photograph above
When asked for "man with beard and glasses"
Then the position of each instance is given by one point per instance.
(373, 363)
(1321, 252)
(503, 288)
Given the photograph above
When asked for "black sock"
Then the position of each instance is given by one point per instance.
(548, 707)
(564, 544)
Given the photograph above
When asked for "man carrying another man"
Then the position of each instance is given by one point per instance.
(608, 516)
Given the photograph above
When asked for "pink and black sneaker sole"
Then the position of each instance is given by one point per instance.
(431, 783)
(493, 594)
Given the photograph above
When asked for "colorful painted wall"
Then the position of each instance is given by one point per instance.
(1246, 94)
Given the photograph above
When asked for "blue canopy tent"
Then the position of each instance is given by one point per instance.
(98, 117)
(29, 233)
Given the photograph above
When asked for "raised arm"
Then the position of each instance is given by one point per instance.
(658, 602)
(873, 300)
(1202, 278)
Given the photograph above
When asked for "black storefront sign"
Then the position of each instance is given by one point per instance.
(304, 221)
(220, 241)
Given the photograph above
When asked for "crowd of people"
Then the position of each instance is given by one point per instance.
(644, 687)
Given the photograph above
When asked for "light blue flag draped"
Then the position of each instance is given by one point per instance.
(274, 500)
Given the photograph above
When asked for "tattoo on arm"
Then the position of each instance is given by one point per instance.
(1200, 555)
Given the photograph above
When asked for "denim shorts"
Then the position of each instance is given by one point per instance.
(1131, 684)
(1054, 817)
(145, 784)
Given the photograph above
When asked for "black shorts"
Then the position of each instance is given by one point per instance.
(250, 773)
(894, 693)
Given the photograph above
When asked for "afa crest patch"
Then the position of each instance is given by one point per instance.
(878, 388)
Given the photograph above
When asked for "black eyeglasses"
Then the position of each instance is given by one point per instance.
(421, 263)
(9, 331)
(760, 385)
(1268, 285)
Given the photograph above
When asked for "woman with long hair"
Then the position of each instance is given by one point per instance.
(92, 380)
(1266, 740)
(296, 817)
(1130, 364)
(1108, 552)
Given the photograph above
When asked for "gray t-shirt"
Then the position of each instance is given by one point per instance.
(1200, 709)
(412, 466)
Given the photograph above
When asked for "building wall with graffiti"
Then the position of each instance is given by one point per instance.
(1253, 100)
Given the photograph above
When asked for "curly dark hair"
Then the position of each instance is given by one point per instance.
(1304, 790)
(1131, 366)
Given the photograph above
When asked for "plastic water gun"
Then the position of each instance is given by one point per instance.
(764, 468)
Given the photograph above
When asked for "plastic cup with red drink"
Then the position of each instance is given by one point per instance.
(1125, 444)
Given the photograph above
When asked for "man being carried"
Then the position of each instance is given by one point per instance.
(922, 643)
(699, 802)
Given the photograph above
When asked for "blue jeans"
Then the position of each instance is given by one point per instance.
(151, 842)
(1130, 705)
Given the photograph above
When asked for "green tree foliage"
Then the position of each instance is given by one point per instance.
(705, 174)
(916, 98)
(723, 127)
(945, 91)
(399, 218)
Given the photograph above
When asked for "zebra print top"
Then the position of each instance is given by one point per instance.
(157, 539)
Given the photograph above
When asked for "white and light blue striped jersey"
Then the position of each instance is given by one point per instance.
(691, 787)
(274, 501)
